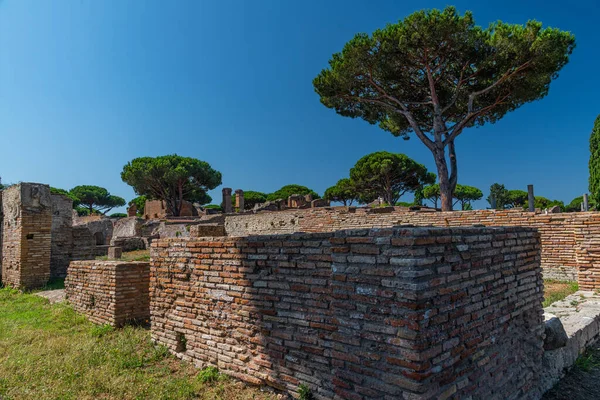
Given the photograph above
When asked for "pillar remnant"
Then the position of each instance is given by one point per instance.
(239, 200)
(531, 198)
(227, 208)
(26, 236)
(132, 210)
(586, 203)
(115, 252)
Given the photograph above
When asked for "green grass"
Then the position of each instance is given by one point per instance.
(51, 352)
(557, 290)
(587, 361)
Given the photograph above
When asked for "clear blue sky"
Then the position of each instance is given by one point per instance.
(86, 86)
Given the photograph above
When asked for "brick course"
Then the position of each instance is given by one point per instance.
(109, 292)
(569, 251)
(413, 313)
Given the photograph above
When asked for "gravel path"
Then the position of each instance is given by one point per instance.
(54, 296)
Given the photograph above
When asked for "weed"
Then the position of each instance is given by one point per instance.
(209, 374)
(586, 362)
(304, 392)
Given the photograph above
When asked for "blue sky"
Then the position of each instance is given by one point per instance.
(86, 86)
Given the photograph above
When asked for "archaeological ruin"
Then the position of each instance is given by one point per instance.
(354, 303)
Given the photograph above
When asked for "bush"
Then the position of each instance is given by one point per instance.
(213, 207)
(209, 375)
(251, 198)
(118, 215)
(289, 190)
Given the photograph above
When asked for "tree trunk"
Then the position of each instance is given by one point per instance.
(445, 186)
(172, 206)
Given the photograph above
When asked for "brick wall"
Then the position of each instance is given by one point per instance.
(157, 209)
(109, 292)
(567, 244)
(62, 235)
(414, 313)
(26, 235)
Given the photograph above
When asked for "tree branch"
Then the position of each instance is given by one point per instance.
(457, 129)
(457, 90)
(407, 114)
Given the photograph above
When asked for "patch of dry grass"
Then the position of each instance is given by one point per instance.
(135, 255)
(557, 290)
(50, 352)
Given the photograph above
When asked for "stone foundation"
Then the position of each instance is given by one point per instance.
(109, 292)
(579, 314)
(26, 242)
(398, 313)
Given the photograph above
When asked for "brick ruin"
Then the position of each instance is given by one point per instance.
(109, 292)
(419, 313)
(157, 209)
(26, 235)
(39, 236)
(62, 235)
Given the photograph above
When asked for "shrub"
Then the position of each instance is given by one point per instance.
(118, 215)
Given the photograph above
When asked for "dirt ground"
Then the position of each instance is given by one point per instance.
(582, 382)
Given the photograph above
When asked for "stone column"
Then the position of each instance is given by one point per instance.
(227, 200)
(530, 198)
(27, 232)
(239, 200)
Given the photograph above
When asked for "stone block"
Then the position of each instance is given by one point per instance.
(115, 253)
(207, 230)
(319, 203)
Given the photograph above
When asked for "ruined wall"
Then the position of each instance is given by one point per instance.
(109, 292)
(419, 313)
(157, 209)
(26, 243)
(568, 246)
(62, 235)
(101, 229)
(84, 244)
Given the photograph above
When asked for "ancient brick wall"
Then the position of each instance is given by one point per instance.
(109, 292)
(419, 313)
(157, 209)
(62, 235)
(26, 243)
(568, 247)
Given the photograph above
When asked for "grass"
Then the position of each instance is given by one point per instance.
(587, 361)
(136, 255)
(50, 352)
(557, 290)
